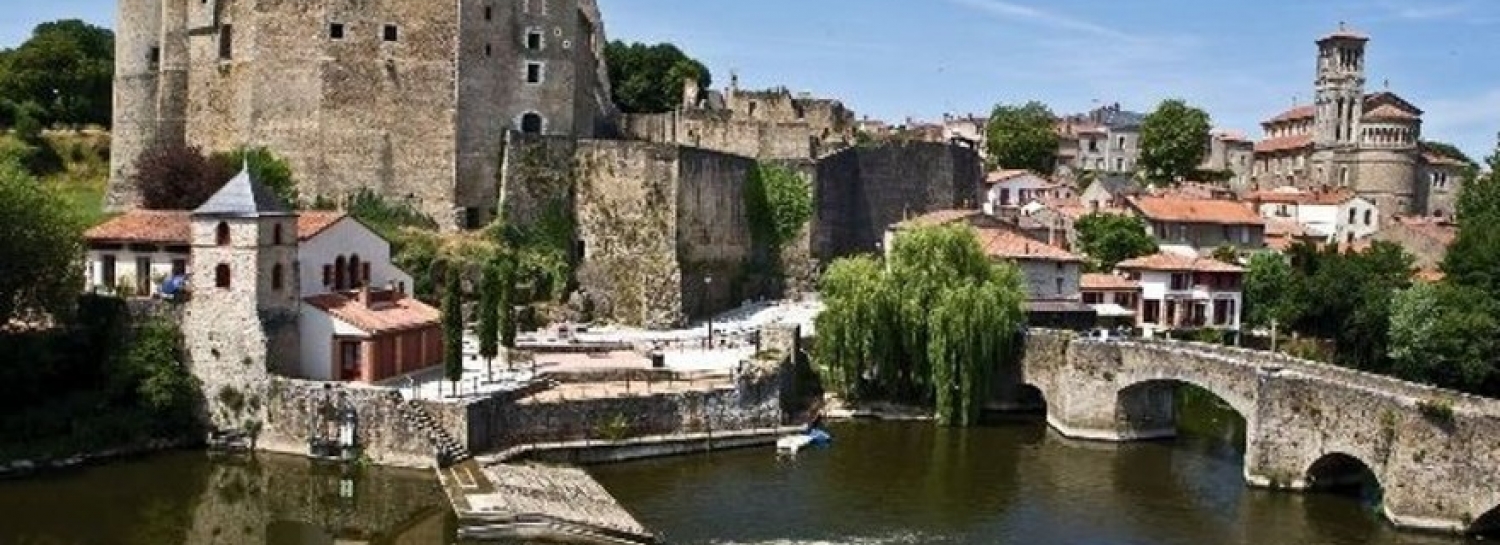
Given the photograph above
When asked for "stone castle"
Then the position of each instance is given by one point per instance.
(477, 108)
(1367, 142)
(408, 98)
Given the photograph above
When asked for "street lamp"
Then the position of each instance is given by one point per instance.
(707, 281)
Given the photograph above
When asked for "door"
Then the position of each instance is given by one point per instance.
(349, 361)
(143, 276)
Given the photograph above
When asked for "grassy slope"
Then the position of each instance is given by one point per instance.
(85, 159)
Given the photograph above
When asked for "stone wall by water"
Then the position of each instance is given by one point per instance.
(293, 410)
(1433, 451)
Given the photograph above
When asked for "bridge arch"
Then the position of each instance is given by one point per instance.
(1346, 474)
(1487, 525)
(1146, 408)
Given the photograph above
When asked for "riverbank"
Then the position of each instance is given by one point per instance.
(30, 466)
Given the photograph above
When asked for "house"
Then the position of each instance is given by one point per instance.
(1055, 222)
(1007, 190)
(1050, 273)
(1336, 216)
(1181, 292)
(354, 319)
(1282, 234)
(1109, 191)
(1111, 295)
(135, 253)
(1200, 225)
(1426, 239)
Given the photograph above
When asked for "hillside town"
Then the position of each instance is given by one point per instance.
(492, 244)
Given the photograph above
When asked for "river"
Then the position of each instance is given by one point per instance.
(1010, 482)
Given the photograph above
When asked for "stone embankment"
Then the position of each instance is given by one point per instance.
(27, 467)
(532, 502)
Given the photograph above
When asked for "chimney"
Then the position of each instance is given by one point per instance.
(394, 289)
(364, 295)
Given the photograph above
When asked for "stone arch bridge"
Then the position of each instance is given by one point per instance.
(1435, 453)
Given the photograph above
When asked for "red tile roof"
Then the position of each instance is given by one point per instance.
(1431, 276)
(1387, 112)
(153, 226)
(1343, 33)
(1335, 197)
(1179, 210)
(1276, 227)
(388, 311)
(1438, 230)
(313, 222)
(1296, 113)
(1172, 262)
(1284, 143)
(1093, 281)
(1231, 136)
(1002, 243)
(1004, 175)
(1434, 158)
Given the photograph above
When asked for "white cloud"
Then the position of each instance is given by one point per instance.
(1018, 12)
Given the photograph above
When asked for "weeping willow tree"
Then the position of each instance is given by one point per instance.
(926, 326)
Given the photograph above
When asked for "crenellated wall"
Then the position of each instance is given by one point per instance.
(1433, 451)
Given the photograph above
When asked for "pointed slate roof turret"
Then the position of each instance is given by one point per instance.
(243, 197)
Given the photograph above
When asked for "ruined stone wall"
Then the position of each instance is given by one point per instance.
(859, 192)
(713, 231)
(627, 216)
(537, 177)
(293, 412)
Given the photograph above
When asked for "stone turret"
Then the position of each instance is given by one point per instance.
(240, 323)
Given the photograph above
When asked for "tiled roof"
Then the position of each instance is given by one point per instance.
(312, 222)
(1431, 276)
(1434, 158)
(1284, 143)
(1002, 243)
(156, 226)
(1438, 230)
(1094, 281)
(1296, 113)
(1343, 33)
(1004, 175)
(1276, 227)
(1231, 135)
(1172, 262)
(1335, 197)
(388, 311)
(1169, 209)
(940, 217)
(1387, 112)
(243, 197)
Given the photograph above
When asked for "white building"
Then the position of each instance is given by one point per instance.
(336, 252)
(135, 253)
(1335, 216)
(1008, 190)
(1180, 292)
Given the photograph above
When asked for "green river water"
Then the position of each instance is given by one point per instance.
(1011, 482)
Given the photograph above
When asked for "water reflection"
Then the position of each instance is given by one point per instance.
(187, 498)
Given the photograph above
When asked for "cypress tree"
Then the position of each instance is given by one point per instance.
(489, 314)
(505, 300)
(453, 328)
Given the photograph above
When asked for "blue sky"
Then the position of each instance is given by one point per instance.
(1242, 61)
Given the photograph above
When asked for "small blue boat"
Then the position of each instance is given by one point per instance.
(791, 444)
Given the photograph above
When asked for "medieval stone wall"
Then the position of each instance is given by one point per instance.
(296, 408)
(537, 177)
(859, 192)
(627, 219)
(714, 243)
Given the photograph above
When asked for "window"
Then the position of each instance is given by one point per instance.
(1151, 312)
(1119, 164)
(107, 274)
(1120, 144)
(340, 270)
(221, 234)
(226, 42)
(276, 235)
(489, 13)
(355, 272)
(392, 33)
(277, 271)
(531, 123)
(1093, 298)
(533, 72)
(1369, 216)
(1059, 286)
(336, 31)
(364, 273)
(327, 275)
(1180, 281)
(179, 267)
(153, 57)
(534, 40)
(579, 250)
(221, 276)
(1352, 212)
(487, 50)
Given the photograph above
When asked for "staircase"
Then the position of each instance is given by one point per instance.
(447, 449)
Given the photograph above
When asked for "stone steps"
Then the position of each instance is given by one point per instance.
(447, 449)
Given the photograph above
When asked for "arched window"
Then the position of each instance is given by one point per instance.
(276, 273)
(221, 234)
(340, 274)
(531, 123)
(221, 276)
(355, 274)
(276, 235)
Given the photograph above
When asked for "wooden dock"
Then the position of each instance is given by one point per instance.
(537, 502)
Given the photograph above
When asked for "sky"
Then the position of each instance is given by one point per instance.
(1242, 61)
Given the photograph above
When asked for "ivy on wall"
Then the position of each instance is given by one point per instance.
(778, 202)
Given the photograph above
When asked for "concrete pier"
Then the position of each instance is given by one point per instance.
(537, 502)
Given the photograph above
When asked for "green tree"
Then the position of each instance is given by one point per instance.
(1227, 254)
(41, 242)
(1174, 140)
(1111, 238)
(648, 78)
(778, 201)
(925, 327)
(154, 362)
(506, 302)
(453, 327)
(1022, 137)
(178, 177)
(66, 69)
(1474, 257)
(489, 313)
(1271, 292)
(1349, 297)
(1445, 335)
(266, 168)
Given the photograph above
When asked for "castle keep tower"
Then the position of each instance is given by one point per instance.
(1338, 106)
(241, 320)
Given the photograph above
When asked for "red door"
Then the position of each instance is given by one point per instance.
(349, 361)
